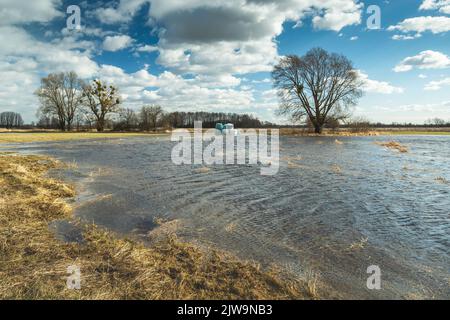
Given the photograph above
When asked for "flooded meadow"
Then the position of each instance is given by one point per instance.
(335, 207)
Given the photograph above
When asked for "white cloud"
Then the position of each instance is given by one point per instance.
(441, 5)
(414, 113)
(425, 60)
(437, 85)
(266, 80)
(116, 43)
(374, 86)
(147, 48)
(23, 60)
(406, 37)
(354, 38)
(423, 24)
(173, 91)
(229, 36)
(336, 18)
(122, 14)
(25, 11)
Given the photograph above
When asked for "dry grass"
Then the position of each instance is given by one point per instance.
(358, 245)
(33, 263)
(326, 133)
(343, 132)
(202, 170)
(336, 169)
(394, 146)
(25, 137)
(293, 165)
(312, 284)
(441, 180)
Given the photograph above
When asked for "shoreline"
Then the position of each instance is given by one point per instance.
(34, 262)
(9, 137)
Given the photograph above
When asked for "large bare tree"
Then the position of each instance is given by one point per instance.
(101, 100)
(317, 86)
(60, 95)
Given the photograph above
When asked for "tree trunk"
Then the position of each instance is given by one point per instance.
(318, 129)
(62, 125)
(100, 125)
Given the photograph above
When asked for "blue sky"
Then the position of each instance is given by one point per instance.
(217, 55)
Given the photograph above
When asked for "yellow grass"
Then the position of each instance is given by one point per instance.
(348, 133)
(394, 145)
(24, 137)
(40, 136)
(33, 263)
(202, 170)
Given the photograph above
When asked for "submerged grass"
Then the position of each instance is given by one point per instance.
(33, 263)
(394, 145)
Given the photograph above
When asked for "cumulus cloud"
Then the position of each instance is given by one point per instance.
(423, 24)
(23, 60)
(123, 13)
(116, 43)
(236, 36)
(173, 91)
(428, 59)
(374, 86)
(437, 85)
(25, 11)
(335, 18)
(441, 5)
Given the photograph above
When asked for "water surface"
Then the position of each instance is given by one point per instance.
(333, 208)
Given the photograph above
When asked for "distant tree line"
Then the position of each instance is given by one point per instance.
(10, 120)
(67, 103)
(153, 117)
(209, 119)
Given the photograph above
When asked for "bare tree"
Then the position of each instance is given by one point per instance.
(316, 86)
(150, 115)
(127, 119)
(101, 100)
(73, 93)
(359, 124)
(60, 95)
(438, 122)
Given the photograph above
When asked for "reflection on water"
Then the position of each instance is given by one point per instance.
(335, 208)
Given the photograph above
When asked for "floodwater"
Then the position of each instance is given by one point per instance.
(332, 210)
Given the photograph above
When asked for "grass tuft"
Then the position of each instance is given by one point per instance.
(394, 145)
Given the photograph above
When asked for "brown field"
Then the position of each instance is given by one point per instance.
(372, 132)
(33, 262)
(26, 136)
